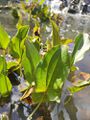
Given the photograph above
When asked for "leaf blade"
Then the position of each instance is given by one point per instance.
(5, 85)
(55, 34)
(4, 38)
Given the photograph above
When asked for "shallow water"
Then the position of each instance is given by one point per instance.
(8, 21)
(79, 106)
(6, 18)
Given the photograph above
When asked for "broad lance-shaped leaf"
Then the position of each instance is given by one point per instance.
(56, 69)
(5, 85)
(65, 56)
(4, 38)
(41, 70)
(33, 55)
(78, 43)
(82, 44)
(58, 73)
(27, 68)
(58, 65)
(16, 49)
(55, 34)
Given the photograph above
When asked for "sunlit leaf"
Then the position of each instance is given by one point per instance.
(27, 0)
(75, 89)
(16, 43)
(79, 86)
(27, 68)
(3, 65)
(82, 44)
(66, 41)
(41, 71)
(32, 54)
(58, 70)
(33, 59)
(55, 34)
(73, 68)
(41, 2)
(4, 38)
(52, 70)
(11, 64)
(49, 45)
(5, 85)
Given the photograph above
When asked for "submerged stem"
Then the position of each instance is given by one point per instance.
(30, 116)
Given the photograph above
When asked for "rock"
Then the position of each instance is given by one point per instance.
(73, 9)
(74, 6)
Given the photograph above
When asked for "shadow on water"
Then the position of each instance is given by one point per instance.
(71, 109)
(66, 110)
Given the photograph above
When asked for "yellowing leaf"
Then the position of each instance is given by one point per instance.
(66, 41)
(27, 93)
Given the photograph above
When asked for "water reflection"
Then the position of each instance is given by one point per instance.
(71, 109)
(8, 21)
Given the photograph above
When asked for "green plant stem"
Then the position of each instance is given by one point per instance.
(20, 70)
(68, 100)
(20, 64)
(30, 116)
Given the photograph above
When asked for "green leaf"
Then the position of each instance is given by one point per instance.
(3, 65)
(58, 71)
(4, 38)
(58, 84)
(22, 32)
(74, 89)
(17, 43)
(54, 95)
(79, 86)
(66, 41)
(36, 97)
(41, 70)
(82, 44)
(55, 34)
(58, 66)
(53, 69)
(33, 56)
(5, 85)
(65, 56)
(27, 0)
(11, 64)
(41, 2)
(27, 68)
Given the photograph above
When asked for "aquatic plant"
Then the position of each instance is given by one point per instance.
(45, 67)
